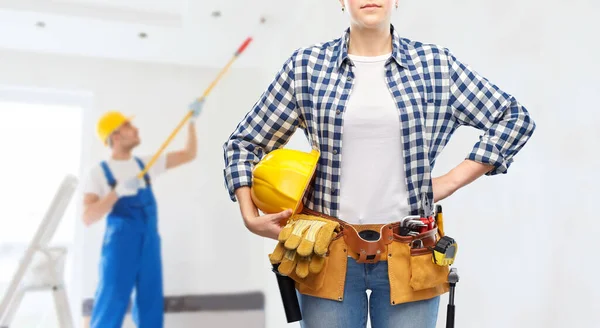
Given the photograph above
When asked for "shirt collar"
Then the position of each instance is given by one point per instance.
(398, 49)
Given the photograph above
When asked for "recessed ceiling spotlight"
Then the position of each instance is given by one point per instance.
(143, 35)
(216, 13)
(40, 24)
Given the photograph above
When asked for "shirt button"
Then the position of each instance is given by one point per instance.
(335, 151)
(334, 192)
(338, 112)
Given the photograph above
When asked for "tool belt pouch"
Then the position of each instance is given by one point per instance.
(424, 272)
(330, 280)
(304, 249)
(414, 267)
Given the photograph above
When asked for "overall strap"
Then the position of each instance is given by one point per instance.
(142, 166)
(108, 174)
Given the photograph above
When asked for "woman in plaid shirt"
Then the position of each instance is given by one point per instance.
(393, 104)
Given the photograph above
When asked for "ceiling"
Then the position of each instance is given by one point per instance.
(186, 32)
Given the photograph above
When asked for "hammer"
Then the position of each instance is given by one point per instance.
(287, 290)
(452, 280)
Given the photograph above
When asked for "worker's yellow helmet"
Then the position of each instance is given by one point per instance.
(108, 123)
(281, 178)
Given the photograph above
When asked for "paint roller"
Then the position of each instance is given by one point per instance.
(189, 114)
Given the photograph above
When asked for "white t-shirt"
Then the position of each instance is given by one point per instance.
(373, 179)
(96, 182)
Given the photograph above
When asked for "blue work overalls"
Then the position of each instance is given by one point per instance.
(131, 257)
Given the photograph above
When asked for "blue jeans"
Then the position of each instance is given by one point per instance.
(352, 311)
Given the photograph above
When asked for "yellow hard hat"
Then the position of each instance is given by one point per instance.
(108, 123)
(281, 178)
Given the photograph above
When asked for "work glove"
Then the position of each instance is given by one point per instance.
(128, 187)
(307, 234)
(303, 243)
(196, 108)
(289, 260)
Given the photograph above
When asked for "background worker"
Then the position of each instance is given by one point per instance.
(131, 250)
(379, 108)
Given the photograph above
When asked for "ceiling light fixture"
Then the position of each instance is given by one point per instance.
(143, 35)
(40, 24)
(216, 13)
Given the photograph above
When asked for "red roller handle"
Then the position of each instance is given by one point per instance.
(243, 46)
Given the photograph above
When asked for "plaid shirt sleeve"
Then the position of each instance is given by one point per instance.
(268, 126)
(478, 103)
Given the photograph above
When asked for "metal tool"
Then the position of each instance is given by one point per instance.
(405, 231)
(415, 224)
(404, 221)
(409, 225)
(450, 314)
(417, 243)
(427, 205)
(426, 214)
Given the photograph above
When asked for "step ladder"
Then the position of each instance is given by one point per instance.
(42, 267)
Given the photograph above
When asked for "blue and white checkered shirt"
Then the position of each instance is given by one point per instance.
(434, 92)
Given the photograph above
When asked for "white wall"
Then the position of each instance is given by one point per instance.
(194, 208)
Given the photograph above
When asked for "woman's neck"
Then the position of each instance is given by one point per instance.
(370, 42)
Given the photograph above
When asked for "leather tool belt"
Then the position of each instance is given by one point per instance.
(413, 275)
(369, 243)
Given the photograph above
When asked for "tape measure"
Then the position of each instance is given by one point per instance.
(444, 251)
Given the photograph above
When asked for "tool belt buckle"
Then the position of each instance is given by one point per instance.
(368, 244)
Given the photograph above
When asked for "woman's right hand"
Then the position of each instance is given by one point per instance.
(268, 225)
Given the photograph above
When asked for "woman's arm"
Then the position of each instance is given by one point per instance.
(460, 176)
(505, 123)
(478, 103)
(268, 126)
(267, 225)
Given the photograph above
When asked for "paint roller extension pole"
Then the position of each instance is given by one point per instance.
(189, 114)
(235, 56)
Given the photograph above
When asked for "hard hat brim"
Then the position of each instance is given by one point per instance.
(276, 188)
(127, 119)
